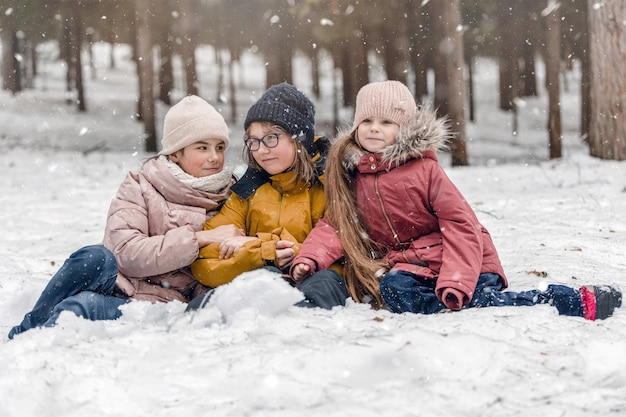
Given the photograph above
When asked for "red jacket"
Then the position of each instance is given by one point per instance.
(418, 217)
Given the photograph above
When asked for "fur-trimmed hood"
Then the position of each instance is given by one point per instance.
(425, 133)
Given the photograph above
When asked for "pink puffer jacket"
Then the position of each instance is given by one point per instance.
(151, 229)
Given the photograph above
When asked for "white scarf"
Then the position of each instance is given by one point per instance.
(211, 183)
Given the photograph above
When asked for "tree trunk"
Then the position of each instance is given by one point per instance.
(553, 55)
(166, 70)
(528, 74)
(351, 58)
(279, 50)
(509, 69)
(92, 60)
(358, 65)
(529, 41)
(607, 35)
(189, 37)
(220, 61)
(76, 28)
(417, 35)
(438, 23)
(66, 54)
(315, 72)
(454, 68)
(585, 69)
(8, 63)
(15, 73)
(469, 61)
(232, 88)
(146, 72)
(393, 38)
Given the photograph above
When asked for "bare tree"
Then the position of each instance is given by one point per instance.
(145, 71)
(189, 37)
(418, 39)
(11, 68)
(607, 127)
(585, 69)
(76, 31)
(394, 40)
(508, 53)
(281, 45)
(164, 39)
(552, 55)
(451, 52)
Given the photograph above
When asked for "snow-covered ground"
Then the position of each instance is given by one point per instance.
(552, 221)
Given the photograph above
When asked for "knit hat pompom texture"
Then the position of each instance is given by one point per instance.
(284, 105)
(190, 120)
(388, 99)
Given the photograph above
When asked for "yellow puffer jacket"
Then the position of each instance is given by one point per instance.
(279, 209)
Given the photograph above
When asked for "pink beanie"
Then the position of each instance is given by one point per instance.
(389, 99)
(189, 121)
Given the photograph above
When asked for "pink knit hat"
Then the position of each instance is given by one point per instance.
(189, 121)
(389, 99)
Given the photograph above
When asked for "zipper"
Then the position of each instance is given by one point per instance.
(382, 207)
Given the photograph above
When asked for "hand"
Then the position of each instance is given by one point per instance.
(229, 245)
(218, 234)
(284, 254)
(300, 271)
(452, 298)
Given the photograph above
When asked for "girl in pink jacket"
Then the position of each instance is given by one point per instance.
(409, 240)
(154, 227)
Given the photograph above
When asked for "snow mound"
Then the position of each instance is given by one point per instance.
(260, 292)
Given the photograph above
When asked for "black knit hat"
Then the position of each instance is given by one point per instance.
(288, 108)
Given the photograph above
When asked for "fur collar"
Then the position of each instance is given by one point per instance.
(425, 133)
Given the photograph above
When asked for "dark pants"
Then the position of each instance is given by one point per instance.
(325, 289)
(406, 292)
(83, 285)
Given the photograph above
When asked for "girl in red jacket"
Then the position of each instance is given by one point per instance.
(409, 239)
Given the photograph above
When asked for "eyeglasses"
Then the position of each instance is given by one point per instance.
(270, 141)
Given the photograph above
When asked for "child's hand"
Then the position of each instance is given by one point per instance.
(300, 272)
(231, 244)
(284, 254)
(217, 235)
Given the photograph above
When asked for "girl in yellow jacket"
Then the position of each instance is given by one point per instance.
(277, 202)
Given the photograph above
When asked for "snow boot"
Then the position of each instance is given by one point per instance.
(599, 302)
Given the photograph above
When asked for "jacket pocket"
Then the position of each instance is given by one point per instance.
(424, 252)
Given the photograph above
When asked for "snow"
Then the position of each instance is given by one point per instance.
(251, 353)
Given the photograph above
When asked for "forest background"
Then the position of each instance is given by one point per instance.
(410, 40)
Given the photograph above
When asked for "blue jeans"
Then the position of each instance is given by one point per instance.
(406, 292)
(84, 285)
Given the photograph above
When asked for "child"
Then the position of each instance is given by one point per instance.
(396, 215)
(154, 227)
(277, 202)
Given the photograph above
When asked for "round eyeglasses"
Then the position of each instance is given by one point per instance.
(270, 141)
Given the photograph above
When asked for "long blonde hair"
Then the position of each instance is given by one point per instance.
(363, 267)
